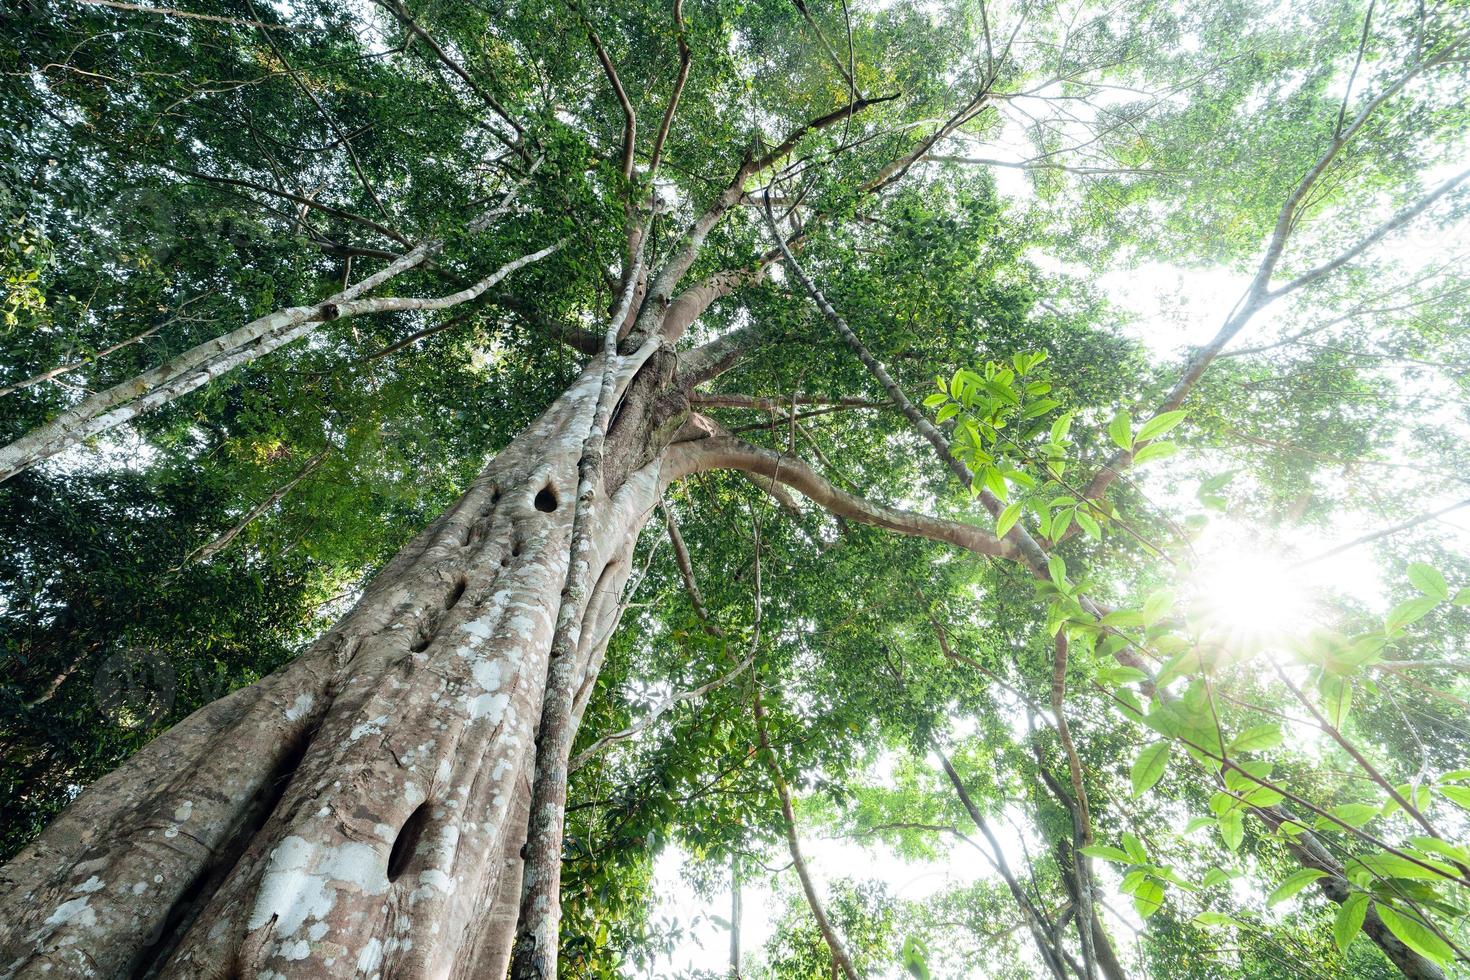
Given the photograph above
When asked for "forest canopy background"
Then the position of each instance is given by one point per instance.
(1079, 393)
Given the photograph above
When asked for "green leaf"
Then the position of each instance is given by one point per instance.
(1214, 876)
(1040, 408)
(1106, 852)
(1371, 866)
(1354, 814)
(948, 412)
(1057, 568)
(1157, 604)
(1062, 521)
(1160, 424)
(1218, 919)
(1088, 524)
(1150, 766)
(1415, 935)
(996, 482)
(1349, 920)
(1294, 883)
(1135, 850)
(1427, 579)
(1257, 737)
(1458, 795)
(935, 400)
(1120, 430)
(1217, 483)
(1008, 519)
(1462, 598)
(1183, 663)
(1155, 450)
(1232, 829)
(1262, 796)
(1116, 674)
(1060, 427)
(1337, 698)
(1148, 899)
(916, 958)
(1408, 612)
(1433, 845)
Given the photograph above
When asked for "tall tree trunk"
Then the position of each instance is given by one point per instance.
(734, 921)
(362, 810)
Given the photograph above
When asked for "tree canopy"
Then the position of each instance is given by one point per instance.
(1095, 444)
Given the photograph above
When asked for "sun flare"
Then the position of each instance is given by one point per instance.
(1252, 598)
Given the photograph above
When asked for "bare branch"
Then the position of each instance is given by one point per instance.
(1382, 533)
(1394, 223)
(686, 567)
(207, 551)
(661, 709)
(1019, 538)
(630, 119)
(326, 116)
(679, 81)
(315, 205)
(840, 957)
(401, 11)
(188, 15)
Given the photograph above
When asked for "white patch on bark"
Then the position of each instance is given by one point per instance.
(298, 950)
(487, 674)
(184, 811)
(300, 707)
(76, 911)
(370, 957)
(92, 884)
(373, 727)
(480, 628)
(302, 879)
(490, 706)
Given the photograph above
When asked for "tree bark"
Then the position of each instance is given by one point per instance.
(734, 922)
(362, 810)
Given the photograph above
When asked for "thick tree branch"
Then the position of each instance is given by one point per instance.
(762, 403)
(661, 290)
(684, 459)
(200, 364)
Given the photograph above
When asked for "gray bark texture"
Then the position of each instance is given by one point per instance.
(362, 811)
